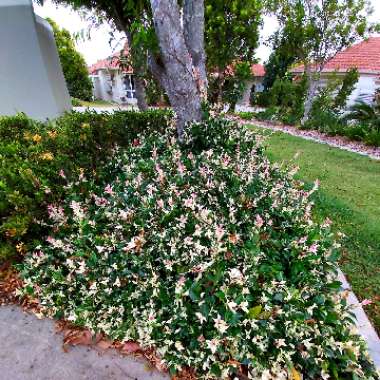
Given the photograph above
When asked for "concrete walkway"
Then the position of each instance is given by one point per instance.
(32, 350)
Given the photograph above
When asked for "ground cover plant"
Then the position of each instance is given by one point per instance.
(349, 194)
(36, 159)
(206, 252)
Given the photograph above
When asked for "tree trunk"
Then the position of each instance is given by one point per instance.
(140, 92)
(312, 89)
(194, 25)
(221, 81)
(175, 72)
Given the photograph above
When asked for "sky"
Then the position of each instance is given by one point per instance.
(99, 46)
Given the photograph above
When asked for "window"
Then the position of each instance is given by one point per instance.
(129, 87)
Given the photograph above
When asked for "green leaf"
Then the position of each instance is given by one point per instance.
(254, 312)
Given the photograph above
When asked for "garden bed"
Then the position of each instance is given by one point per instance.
(340, 142)
(204, 252)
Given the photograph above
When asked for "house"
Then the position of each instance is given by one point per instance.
(365, 56)
(113, 80)
(255, 84)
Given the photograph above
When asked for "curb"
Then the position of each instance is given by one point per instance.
(363, 324)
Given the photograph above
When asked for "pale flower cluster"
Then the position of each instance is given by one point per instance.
(209, 256)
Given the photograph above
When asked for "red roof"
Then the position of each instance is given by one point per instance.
(365, 56)
(258, 70)
(112, 62)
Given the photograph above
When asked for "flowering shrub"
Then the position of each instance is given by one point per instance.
(205, 252)
(34, 156)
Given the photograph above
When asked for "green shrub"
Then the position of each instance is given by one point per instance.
(330, 104)
(372, 138)
(76, 102)
(270, 114)
(288, 95)
(35, 156)
(205, 252)
(246, 115)
(260, 99)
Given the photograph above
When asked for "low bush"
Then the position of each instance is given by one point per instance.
(205, 252)
(287, 95)
(36, 158)
(75, 102)
(246, 115)
(330, 103)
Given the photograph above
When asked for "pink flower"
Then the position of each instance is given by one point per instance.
(108, 190)
(259, 221)
(313, 248)
(366, 302)
(62, 174)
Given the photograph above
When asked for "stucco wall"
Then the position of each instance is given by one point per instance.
(31, 78)
(111, 91)
(365, 89)
(258, 83)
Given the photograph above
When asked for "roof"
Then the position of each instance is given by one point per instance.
(112, 62)
(258, 70)
(365, 56)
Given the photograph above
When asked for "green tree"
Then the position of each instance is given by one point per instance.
(231, 35)
(171, 33)
(285, 52)
(73, 64)
(324, 28)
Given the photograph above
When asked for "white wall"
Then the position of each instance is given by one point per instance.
(365, 89)
(31, 78)
(258, 83)
(112, 91)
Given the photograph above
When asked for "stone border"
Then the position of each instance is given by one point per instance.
(363, 324)
(333, 141)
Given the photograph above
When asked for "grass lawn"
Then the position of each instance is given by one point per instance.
(350, 195)
(97, 103)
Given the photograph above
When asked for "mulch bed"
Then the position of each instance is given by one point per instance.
(340, 142)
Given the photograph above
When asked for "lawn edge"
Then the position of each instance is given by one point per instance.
(363, 324)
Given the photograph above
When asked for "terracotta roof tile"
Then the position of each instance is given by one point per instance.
(258, 70)
(364, 55)
(112, 62)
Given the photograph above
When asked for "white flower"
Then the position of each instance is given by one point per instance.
(201, 318)
(232, 305)
(212, 345)
(236, 276)
(220, 324)
(280, 343)
(178, 345)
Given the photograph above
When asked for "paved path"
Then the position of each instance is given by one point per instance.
(32, 350)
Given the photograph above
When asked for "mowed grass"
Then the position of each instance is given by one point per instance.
(350, 196)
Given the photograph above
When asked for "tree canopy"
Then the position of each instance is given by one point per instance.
(324, 28)
(73, 64)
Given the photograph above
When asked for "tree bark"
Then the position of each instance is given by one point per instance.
(194, 26)
(140, 91)
(221, 81)
(176, 71)
(312, 88)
